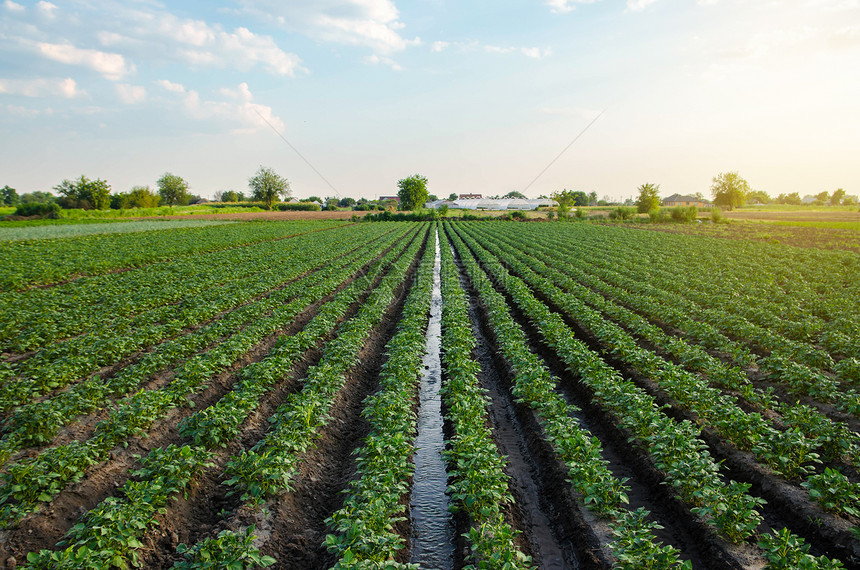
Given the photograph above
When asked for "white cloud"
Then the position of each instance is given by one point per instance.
(170, 86)
(638, 5)
(130, 94)
(533, 52)
(47, 9)
(241, 112)
(198, 43)
(13, 6)
(562, 6)
(439, 46)
(536, 53)
(110, 65)
(66, 88)
(370, 23)
(374, 59)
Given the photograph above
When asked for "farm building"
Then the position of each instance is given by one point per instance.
(491, 204)
(681, 200)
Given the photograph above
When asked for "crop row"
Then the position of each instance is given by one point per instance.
(788, 452)
(833, 439)
(28, 483)
(588, 474)
(38, 422)
(27, 263)
(145, 296)
(478, 485)
(675, 447)
(268, 468)
(110, 534)
(365, 525)
(64, 362)
(746, 309)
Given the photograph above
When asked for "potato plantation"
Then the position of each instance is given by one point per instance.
(247, 395)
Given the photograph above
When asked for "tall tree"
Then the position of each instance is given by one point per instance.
(268, 186)
(10, 196)
(729, 190)
(412, 192)
(84, 193)
(837, 197)
(649, 198)
(172, 189)
(514, 194)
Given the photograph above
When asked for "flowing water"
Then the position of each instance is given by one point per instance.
(432, 544)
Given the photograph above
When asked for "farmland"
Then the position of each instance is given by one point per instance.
(251, 393)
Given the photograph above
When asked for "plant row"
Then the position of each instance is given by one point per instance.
(635, 545)
(267, 469)
(675, 447)
(37, 480)
(478, 485)
(143, 296)
(38, 422)
(364, 528)
(789, 452)
(65, 362)
(833, 439)
(30, 263)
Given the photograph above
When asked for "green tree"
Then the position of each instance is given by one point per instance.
(837, 197)
(453, 196)
(346, 202)
(649, 198)
(10, 196)
(84, 193)
(137, 197)
(173, 189)
(823, 197)
(514, 194)
(232, 196)
(268, 186)
(793, 199)
(592, 198)
(729, 190)
(37, 197)
(759, 196)
(412, 192)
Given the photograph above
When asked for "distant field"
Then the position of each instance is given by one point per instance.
(54, 231)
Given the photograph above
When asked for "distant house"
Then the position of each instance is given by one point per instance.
(388, 198)
(681, 200)
(471, 196)
(808, 199)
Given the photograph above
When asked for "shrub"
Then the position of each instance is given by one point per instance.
(51, 210)
(622, 213)
(716, 215)
(301, 206)
(684, 213)
(658, 216)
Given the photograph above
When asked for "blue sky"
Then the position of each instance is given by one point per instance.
(476, 96)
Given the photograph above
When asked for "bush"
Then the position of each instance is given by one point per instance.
(300, 207)
(51, 210)
(622, 213)
(684, 213)
(658, 216)
(716, 215)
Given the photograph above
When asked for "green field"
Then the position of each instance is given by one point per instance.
(170, 391)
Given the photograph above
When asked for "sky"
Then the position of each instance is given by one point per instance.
(346, 97)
